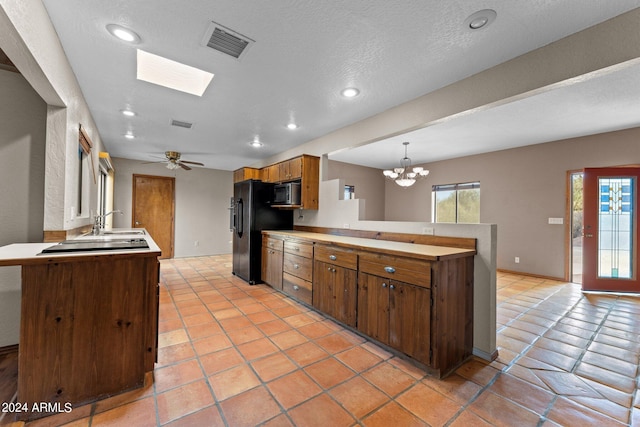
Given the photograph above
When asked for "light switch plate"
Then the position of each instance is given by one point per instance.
(556, 220)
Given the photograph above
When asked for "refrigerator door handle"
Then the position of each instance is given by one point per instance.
(239, 218)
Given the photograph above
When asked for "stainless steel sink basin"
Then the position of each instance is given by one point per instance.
(86, 245)
(112, 232)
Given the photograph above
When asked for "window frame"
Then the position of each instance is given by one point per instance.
(435, 189)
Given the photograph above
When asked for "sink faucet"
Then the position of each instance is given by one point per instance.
(99, 221)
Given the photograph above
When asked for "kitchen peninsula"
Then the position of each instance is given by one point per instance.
(89, 317)
(415, 298)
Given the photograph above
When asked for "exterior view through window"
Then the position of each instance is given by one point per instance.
(457, 203)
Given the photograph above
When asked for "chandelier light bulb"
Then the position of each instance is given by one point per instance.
(405, 176)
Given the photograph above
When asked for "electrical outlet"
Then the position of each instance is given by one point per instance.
(428, 230)
(345, 226)
(517, 260)
(556, 220)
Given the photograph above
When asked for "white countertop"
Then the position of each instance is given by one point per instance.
(30, 253)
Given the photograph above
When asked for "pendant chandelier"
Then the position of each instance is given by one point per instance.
(405, 176)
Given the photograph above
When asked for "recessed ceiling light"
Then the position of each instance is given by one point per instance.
(480, 19)
(292, 126)
(350, 92)
(128, 113)
(123, 33)
(256, 143)
(129, 135)
(174, 75)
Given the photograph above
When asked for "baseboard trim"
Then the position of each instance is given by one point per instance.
(9, 349)
(539, 276)
(489, 357)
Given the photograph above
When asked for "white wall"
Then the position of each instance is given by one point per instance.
(22, 152)
(202, 199)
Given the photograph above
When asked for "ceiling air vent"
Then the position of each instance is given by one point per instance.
(226, 41)
(181, 124)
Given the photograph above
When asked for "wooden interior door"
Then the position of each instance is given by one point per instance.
(153, 209)
(611, 233)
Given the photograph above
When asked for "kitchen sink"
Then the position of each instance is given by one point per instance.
(112, 232)
(86, 245)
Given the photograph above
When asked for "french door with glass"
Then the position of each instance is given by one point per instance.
(611, 232)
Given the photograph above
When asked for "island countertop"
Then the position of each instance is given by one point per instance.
(414, 250)
(31, 253)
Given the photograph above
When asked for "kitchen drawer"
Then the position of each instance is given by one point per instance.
(337, 256)
(304, 249)
(408, 270)
(273, 243)
(298, 266)
(297, 288)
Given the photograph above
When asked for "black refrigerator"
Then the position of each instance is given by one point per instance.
(251, 212)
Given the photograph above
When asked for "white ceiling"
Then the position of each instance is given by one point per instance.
(306, 51)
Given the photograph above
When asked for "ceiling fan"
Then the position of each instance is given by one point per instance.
(173, 161)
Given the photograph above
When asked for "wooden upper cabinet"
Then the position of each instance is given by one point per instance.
(291, 170)
(305, 169)
(243, 174)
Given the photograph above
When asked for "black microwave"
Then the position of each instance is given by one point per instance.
(286, 194)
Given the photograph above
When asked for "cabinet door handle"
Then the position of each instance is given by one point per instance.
(296, 266)
(296, 287)
(390, 269)
(333, 257)
(391, 287)
(296, 249)
(384, 285)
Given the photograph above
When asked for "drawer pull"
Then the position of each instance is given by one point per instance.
(296, 287)
(384, 285)
(333, 257)
(296, 249)
(390, 269)
(296, 266)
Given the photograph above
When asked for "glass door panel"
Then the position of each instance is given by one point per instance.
(610, 230)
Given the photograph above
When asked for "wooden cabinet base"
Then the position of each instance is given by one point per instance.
(88, 329)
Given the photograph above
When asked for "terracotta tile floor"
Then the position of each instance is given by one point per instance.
(238, 355)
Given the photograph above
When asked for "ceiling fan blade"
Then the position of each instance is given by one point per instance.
(192, 163)
(183, 166)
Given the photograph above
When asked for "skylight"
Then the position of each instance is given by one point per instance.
(174, 75)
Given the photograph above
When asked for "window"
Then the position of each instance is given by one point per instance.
(457, 203)
(349, 192)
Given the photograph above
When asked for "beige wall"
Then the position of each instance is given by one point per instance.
(29, 39)
(22, 152)
(202, 199)
(369, 186)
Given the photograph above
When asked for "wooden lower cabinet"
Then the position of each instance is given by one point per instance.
(396, 314)
(419, 306)
(272, 258)
(88, 329)
(334, 291)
